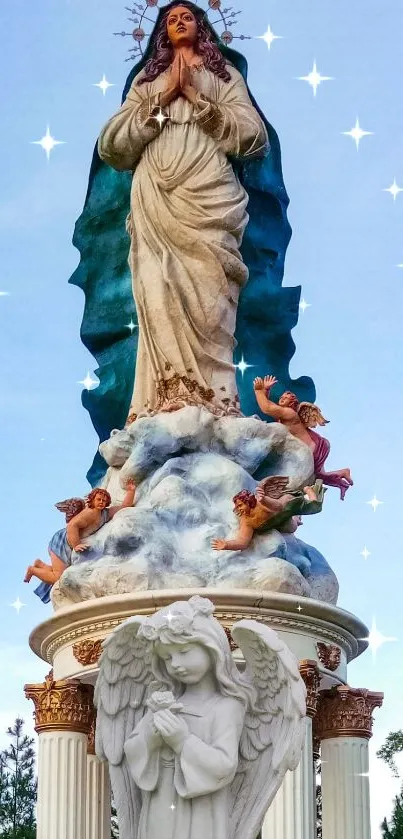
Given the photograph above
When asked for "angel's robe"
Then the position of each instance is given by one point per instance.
(187, 796)
(188, 216)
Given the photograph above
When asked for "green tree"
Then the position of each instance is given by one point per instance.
(18, 785)
(391, 747)
(114, 823)
(394, 828)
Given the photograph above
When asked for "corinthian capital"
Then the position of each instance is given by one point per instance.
(65, 705)
(346, 712)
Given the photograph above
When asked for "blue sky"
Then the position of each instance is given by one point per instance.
(345, 249)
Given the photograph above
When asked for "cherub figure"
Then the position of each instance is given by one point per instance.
(271, 507)
(203, 750)
(300, 418)
(83, 518)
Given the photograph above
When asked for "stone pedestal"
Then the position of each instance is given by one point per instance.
(322, 637)
(98, 798)
(292, 814)
(63, 712)
(344, 725)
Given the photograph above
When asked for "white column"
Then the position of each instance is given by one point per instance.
(62, 771)
(98, 802)
(292, 813)
(345, 788)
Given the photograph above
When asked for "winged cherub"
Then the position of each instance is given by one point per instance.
(271, 507)
(196, 748)
(300, 418)
(83, 518)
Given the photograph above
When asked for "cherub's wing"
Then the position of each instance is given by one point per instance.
(71, 507)
(275, 486)
(273, 736)
(120, 695)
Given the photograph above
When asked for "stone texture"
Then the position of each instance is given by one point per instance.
(188, 465)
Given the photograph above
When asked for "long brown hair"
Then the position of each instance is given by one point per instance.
(162, 54)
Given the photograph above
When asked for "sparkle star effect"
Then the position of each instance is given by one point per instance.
(394, 189)
(132, 326)
(299, 608)
(103, 85)
(304, 305)
(269, 37)
(376, 639)
(357, 133)
(242, 366)
(172, 807)
(314, 78)
(4, 294)
(365, 552)
(400, 265)
(374, 503)
(88, 382)
(48, 142)
(17, 605)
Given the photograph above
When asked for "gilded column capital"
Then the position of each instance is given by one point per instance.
(310, 674)
(346, 712)
(65, 705)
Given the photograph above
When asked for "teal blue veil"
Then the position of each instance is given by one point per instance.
(266, 313)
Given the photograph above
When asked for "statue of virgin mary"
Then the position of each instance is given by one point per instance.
(193, 165)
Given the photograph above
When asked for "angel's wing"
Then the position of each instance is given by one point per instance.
(273, 736)
(275, 486)
(71, 507)
(120, 695)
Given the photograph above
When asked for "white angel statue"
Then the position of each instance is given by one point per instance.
(196, 749)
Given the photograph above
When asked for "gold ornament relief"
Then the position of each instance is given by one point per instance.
(65, 705)
(310, 675)
(329, 655)
(88, 651)
(346, 712)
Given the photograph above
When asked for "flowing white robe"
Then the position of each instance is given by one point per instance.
(186, 796)
(188, 216)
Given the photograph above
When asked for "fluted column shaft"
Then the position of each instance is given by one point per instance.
(344, 726)
(98, 798)
(63, 714)
(292, 814)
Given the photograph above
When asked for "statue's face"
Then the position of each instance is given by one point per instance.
(287, 400)
(187, 663)
(181, 27)
(241, 509)
(99, 501)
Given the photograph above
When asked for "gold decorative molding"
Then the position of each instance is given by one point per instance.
(65, 705)
(346, 712)
(88, 651)
(276, 622)
(329, 655)
(91, 734)
(310, 674)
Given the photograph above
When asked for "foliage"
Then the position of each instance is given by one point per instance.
(114, 823)
(391, 747)
(17, 785)
(394, 829)
(318, 799)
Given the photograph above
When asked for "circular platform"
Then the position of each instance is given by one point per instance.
(71, 639)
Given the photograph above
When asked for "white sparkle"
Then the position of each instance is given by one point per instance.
(132, 326)
(376, 639)
(17, 605)
(400, 265)
(172, 807)
(4, 294)
(365, 552)
(47, 142)
(314, 78)
(170, 616)
(242, 366)
(269, 37)
(88, 382)
(103, 84)
(357, 133)
(374, 503)
(394, 189)
(304, 305)
(161, 117)
(299, 608)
